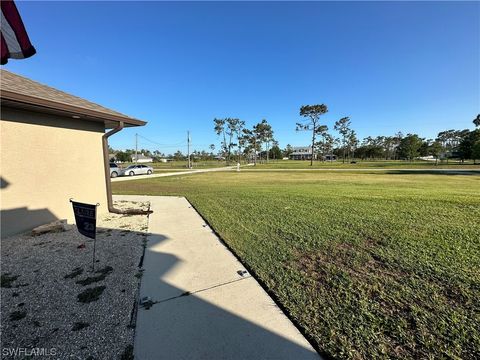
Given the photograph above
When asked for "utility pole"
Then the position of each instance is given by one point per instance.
(136, 148)
(188, 149)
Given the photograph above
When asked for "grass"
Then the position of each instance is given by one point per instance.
(371, 265)
(390, 164)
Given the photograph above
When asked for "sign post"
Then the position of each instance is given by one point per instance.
(86, 219)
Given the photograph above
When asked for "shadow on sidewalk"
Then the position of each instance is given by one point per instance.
(186, 326)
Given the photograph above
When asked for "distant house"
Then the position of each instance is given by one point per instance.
(38, 126)
(330, 157)
(302, 153)
(140, 158)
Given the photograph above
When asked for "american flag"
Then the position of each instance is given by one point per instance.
(15, 41)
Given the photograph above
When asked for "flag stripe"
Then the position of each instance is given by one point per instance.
(10, 37)
(15, 41)
(4, 51)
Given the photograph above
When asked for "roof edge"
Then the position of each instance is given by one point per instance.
(49, 104)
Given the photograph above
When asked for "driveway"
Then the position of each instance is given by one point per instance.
(199, 303)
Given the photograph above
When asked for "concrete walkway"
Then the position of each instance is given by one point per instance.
(175, 173)
(201, 307)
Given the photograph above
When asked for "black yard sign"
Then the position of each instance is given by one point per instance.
(86, 218)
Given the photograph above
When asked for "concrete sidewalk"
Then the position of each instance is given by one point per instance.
(201, 308)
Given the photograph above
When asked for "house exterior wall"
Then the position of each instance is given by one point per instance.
(46, 160)
(302, 153)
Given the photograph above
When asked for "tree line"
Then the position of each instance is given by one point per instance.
(257, 143)
(238, 141)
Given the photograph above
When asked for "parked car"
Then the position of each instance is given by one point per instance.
(137, 170)
(114, 170)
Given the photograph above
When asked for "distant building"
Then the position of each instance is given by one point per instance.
(142, 158)
(302, 153)
(330, 157)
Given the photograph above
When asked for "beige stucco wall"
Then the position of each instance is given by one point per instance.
(46, 160)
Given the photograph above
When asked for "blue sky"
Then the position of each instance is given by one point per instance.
(390, 66)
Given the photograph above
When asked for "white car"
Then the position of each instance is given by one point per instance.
(114, 170)
(137, 170)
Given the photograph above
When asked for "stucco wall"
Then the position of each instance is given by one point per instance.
(45, 161)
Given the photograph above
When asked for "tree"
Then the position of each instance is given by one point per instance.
(466, 146)
(122, 156)
(476, 151)
(435, 150)
(424, 149)
(287, 151)
(352, 143)
(263, 134)
(410, 146)
(323, 132)
(396, 139)
(372, 148)
(476, 121)
(249, 138)
(219, 126)
(275, 152)
(238, 127)
(343, 127)
(312, 113)
(178, 156)
(329, 144)
(227, 128)
(233, 126)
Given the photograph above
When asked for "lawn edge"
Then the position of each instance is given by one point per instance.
(274, 297)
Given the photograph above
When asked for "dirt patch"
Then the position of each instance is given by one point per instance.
(357, 260)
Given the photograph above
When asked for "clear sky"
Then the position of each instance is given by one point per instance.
(390, 66)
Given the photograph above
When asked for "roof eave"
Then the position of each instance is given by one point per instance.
(48, 106)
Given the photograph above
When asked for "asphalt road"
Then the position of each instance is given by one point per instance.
(176, 173)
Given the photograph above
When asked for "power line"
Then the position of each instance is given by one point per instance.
(160, 144)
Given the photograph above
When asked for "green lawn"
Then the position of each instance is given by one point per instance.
(371, 265)
(390, 164)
